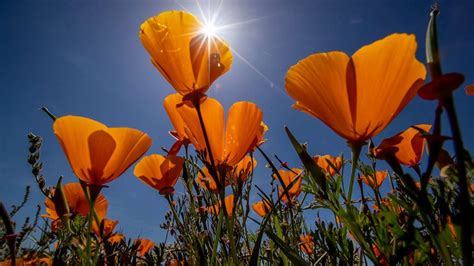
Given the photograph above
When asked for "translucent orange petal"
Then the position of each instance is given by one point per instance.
(144, 246)
(205, 180)
(318, 84)
(131, 145)
(188, 61)
(98, 154)
(213, 117)
(77, 202)
(244, 168)
(243, 128)
(322, 161)
(261, 207)
(210, 57)
(375, 182)
(73, 134)
(407, 146)
(229, 204)
(170, 103)
(159, 172)
(387, 77)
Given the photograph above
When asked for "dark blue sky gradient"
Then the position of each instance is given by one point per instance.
(85, 58)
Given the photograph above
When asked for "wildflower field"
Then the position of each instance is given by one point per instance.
(220, 190)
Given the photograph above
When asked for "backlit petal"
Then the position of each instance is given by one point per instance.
(73, 134)
(242, 129)
(213, 117)
(170, 103)
(388, 76)
(318, 84)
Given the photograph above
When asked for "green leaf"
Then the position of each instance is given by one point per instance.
(290, 253)
(308, 162)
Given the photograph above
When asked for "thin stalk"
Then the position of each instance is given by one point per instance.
(11, 237)
(464, 195)
(216, 239)
(213, 172)
(89, 226)
(356, 148)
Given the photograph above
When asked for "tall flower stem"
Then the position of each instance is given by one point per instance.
(465, 205)
(356, 148)
(220, 185)
(89, 225)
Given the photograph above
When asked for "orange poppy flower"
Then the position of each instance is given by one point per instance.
(262, 207)
(180, 130)
(243, 130)
(377, 182)
(307, 244)
(380, 257)
(406, 146)
(288, 177)
(188, 59)
(109, 226)
(206, 181)
(358, 96)
(322, 161)
(28, 262)
(159, 172)
(243, 169)
(469, 89)
(144, 246)
(115, 238)
(99, 154)
(229, 206)
(77, 202)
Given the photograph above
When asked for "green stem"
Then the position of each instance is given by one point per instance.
(465, 200)
(356, 148)
(216, 239)
(89, 226)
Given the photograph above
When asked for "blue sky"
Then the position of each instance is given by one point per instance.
(85, 58)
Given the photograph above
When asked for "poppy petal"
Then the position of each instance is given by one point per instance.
(242, 129)
(318, 84)
(388, 76)
(73, 133)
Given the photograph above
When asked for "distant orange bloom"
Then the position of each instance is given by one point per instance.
(380, 257)
(406, 146)
(287, 178)
(262, 207)
(242, 133)
(28, 262)
(469, 89)
(144, 246)
(99, 154)
(115, 238)
(358, 96)
(77, 202)
(322, 161)
(159, 172)
(109, 226)
(229, 205)
(243, 169)
(377, 181)
(307, 244)
(186, 57)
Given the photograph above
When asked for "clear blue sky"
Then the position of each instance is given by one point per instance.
(85, 58)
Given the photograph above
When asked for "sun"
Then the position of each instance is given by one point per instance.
(209, 30)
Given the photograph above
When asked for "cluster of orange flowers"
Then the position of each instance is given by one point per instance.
(357, 97)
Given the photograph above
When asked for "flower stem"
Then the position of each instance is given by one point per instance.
(465, 207)
(356, 148)
(89, 227)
